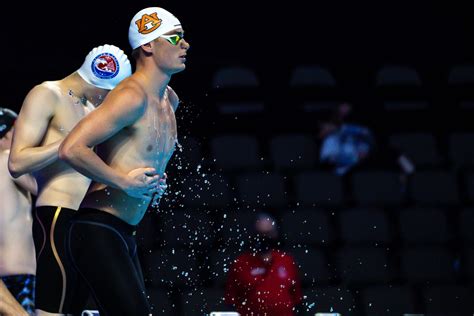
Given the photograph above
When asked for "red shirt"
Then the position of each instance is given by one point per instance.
(261, 288)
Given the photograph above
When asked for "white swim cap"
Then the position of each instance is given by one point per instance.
(149, 24)
(105, 66)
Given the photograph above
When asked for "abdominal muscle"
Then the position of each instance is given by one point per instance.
(117, 203)
(17, 252)
(60, 185)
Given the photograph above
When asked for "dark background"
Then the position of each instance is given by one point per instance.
(48, 40)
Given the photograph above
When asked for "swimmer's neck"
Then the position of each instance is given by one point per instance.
(154, 81)
(76, 87)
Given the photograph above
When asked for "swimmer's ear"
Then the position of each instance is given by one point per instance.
(147, 47)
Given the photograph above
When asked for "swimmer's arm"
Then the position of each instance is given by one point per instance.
(26, 154)
(27, 182)
(173, 97)
(121, 108)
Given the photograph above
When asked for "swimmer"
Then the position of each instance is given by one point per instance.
(49, 111)
(17, 259)
(134, 128)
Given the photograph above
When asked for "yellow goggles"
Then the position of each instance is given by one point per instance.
(173, 38)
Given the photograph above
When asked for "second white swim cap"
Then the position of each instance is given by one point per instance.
(105, 66)
(149, 24)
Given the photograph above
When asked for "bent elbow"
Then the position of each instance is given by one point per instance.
(65, 152)
(13, 168)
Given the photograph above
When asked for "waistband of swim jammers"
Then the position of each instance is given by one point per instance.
(101, 217)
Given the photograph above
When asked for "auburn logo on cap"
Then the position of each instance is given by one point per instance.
(148, 23)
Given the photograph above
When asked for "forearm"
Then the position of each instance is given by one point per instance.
(8, 305)
(86, 161)
(29, 160)
(11, 309)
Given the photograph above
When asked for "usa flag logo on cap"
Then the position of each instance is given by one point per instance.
(105, 66)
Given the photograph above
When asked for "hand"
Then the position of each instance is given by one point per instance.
(160, 190)
(141, 183)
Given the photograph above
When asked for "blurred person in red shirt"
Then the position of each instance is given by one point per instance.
(264, 281)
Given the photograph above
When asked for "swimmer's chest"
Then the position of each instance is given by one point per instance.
(153, 135)
(157, 128)
(67, 114)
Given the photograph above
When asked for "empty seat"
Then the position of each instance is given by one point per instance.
(359, 226)
(421, 148)
(448, 300)
(468, 263)
(461, 75)
(434, 188)
(469, 186)
(466, 225)
(293, 151)
(262, 189)
(235, 151)
(460, 83)
(397, 75)
(363, 265)
(466, 104)
(319, 188)
(237, 91)
(311, 75)
(405, 105)
(320, 106)
(388, 300)
(377, 188)
(433, 264)
(423, 226)
(461, 149)
(235, 76)
(240, 107)
(310, 227)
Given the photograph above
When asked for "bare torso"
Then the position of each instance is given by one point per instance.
(17, 252)
(59, 184)
(149, 142)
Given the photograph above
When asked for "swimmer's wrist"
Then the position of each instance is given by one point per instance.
(122, 182)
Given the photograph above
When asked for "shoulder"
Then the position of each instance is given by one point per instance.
(42, 98)
(173, 97)
(49, 89)
(127, 94)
